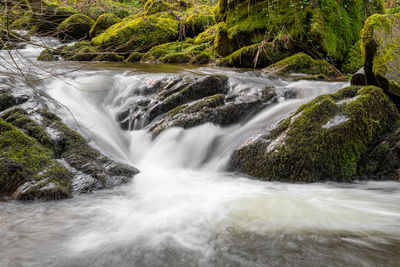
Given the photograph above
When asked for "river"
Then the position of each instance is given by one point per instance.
(183, 209)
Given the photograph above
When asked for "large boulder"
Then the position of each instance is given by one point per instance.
(42, 158)
(75, 27)
(138, 33)
(329, 26)
(323, 140)
(381, 52)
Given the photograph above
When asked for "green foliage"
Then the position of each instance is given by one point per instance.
(198, 19)
(156, 6)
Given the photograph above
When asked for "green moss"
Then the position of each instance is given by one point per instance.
(222, 44)
(202, 58)
(135, 57)
(302, 63)
(46, 55)
(198, 19)
(23, 23)
(138, 34)
(353, 61)
(310, 147)
(102, 23)
(177, 58)
(20, 119)
(21, 156)
(380, 46)
(331, 27)
(254, 56)
(75, 27)
(6, 101)
(207, 36)
(156, 6)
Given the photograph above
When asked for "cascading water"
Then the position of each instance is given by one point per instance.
(183, 209)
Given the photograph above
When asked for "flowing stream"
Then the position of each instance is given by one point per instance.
(183, 209)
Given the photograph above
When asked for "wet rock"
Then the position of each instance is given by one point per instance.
(171, 98)
(217, 109)
(42, 158)
(323, 140)
(359, 78)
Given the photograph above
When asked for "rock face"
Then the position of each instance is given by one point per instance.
(41, 158)
(324, 140)
(381, 52)
(330, 26)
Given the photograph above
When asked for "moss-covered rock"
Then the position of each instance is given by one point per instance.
(46, 55)
(179, 52)
(198, 19)
(138, 34)
(24, 161)
(329, 26)
(353, 61)
(222, 44)
(23, 23)
(102, 23)
(135, 57)
(254, 56)
(156, 6)
(37, 165)
(323, 140)
(381, 52)
(75, 27)
(302, 63)
(177, 58)
(47, 16)
(207, 36)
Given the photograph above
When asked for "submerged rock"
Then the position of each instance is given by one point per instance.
(42, 158)
(323, 140)
(381, 52)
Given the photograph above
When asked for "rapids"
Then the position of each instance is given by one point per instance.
(183, 209)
